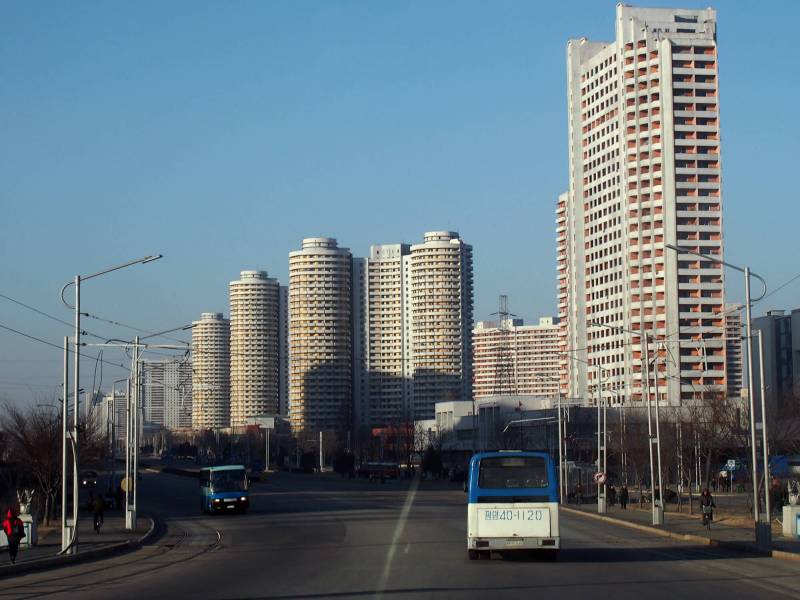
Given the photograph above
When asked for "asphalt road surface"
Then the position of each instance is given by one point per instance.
(311, 536)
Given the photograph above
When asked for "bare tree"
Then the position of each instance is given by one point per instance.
(33, 440)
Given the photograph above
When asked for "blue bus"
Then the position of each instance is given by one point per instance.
(224, 488)
(512, 504)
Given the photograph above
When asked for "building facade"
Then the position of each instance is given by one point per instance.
(211, 372)
(283, 350)
(441, 292)
(255, 362)
(781, 341)
(167, 393)
(382, 318)
(320, 337)
(644, 166)
(734, 357)
(514, 358)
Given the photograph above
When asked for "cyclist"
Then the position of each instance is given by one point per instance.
(98, 508)
(707, 507)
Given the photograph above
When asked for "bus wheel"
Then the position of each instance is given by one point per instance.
(473, 555)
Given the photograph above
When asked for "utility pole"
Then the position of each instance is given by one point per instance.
(764, 438)
(76, 412)
(66, 525)
(321, 459)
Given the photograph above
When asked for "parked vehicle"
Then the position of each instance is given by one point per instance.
(379, 470)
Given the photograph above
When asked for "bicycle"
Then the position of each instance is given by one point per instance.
(708, 515)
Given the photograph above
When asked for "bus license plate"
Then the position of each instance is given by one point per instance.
(230, 499)
(514, 542)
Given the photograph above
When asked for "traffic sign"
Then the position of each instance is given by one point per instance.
(600, 478)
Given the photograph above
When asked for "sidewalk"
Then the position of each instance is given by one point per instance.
(91, 545)
(727, 530)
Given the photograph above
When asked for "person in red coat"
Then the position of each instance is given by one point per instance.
(14, 529)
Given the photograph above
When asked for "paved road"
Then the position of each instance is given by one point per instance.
(319, 537)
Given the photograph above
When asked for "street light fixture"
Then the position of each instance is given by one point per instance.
(763, 533)
(69, 543)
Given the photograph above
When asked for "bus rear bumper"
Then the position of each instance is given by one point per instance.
(515, 543)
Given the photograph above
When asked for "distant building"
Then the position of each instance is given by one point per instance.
(283, 350)
(211, 374)
(382, 342)
(441, 321)
(781, 340)
(514, 358)
(167, 393)
(254, 346)
(320, 337)
(733, 350)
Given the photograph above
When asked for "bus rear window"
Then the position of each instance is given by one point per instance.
(505, 473)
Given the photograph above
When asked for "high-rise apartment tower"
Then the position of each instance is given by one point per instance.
(254, 346)
(320, 336)
(211, 372)
(441, 321)
(644, 166)
(531, 353)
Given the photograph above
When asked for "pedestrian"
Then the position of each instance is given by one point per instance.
(623, 497)
(14, 529)
(98, 508)
(612, 496)
(579, 493)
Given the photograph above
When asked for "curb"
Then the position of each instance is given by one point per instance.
(55, 562)
(687, 537)
(739, 546)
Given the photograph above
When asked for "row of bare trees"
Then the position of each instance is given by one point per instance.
(30, 453)
(696, 439)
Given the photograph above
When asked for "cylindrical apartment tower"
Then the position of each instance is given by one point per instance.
(441, 321)
(210, 372)
(254, 346)
(320, 337)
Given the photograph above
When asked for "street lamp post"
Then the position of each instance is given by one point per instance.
(72, 544)
(763, 533)
(657, 514)
(764, 439)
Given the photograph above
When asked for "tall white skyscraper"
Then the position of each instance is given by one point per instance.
(644, 150)
(382, 319)
(440, 270)
(211, 372)
(320, 337)
(255, 363)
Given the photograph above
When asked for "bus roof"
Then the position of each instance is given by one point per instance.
(224, 468)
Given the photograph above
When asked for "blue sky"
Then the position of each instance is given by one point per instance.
(221, 134)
